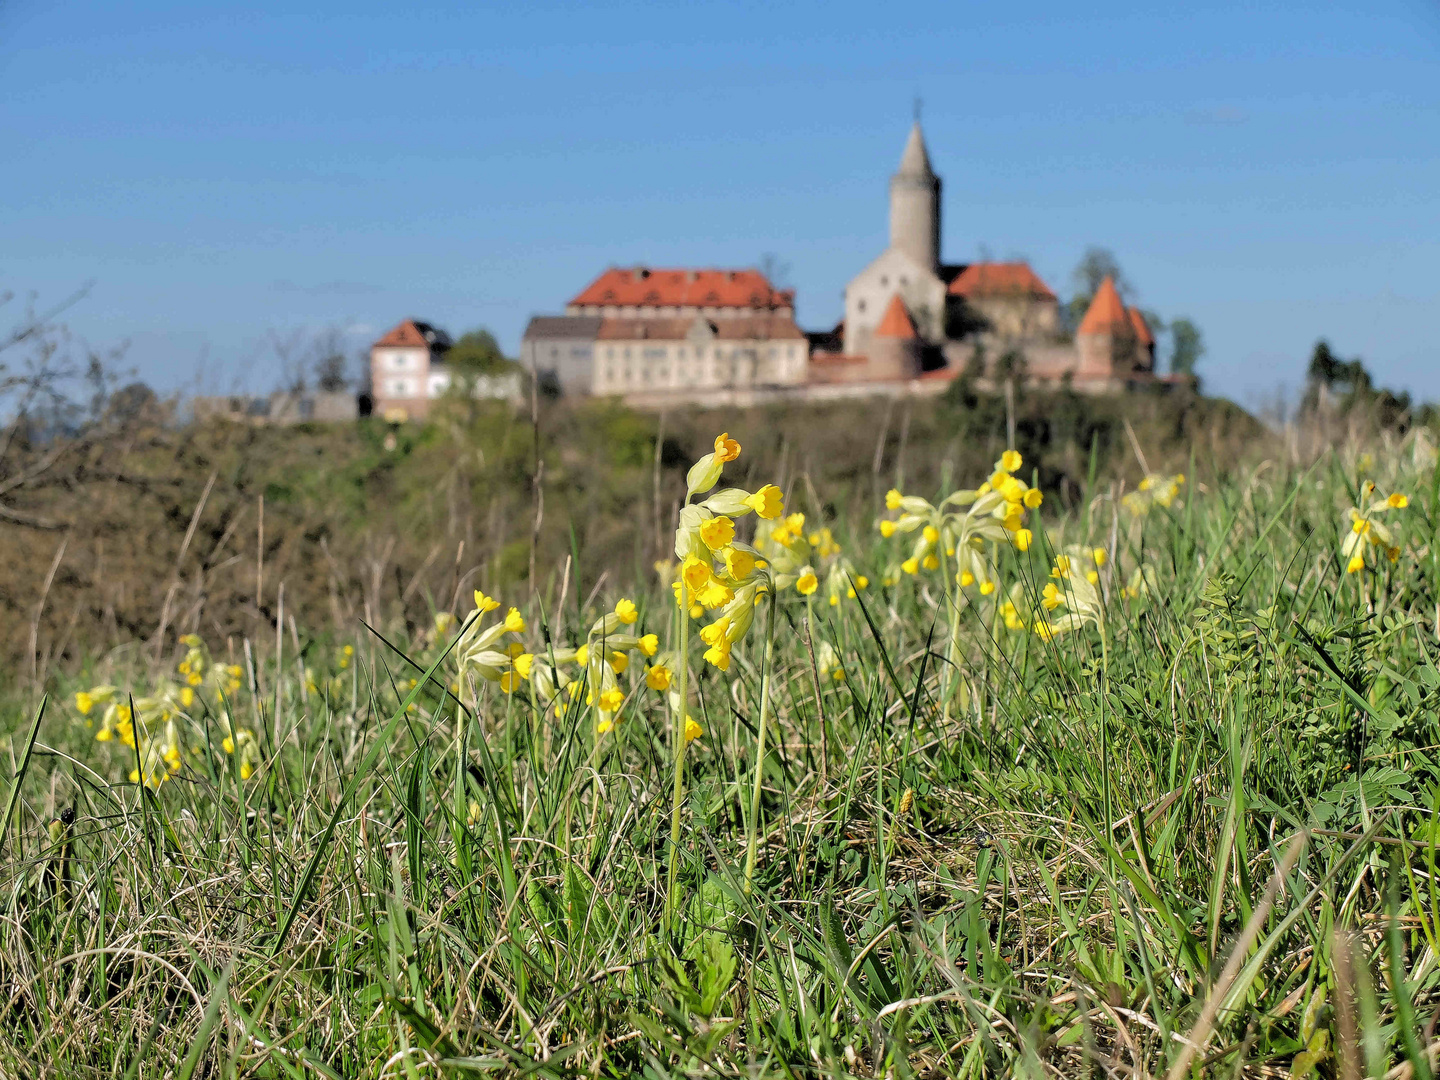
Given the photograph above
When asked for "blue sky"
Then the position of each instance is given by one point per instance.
(223, 173)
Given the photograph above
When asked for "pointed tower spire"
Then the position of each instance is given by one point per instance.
(915, 204)
(896, 322)
(1106, 313)
(915, 161)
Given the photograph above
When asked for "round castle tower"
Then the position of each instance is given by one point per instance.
(915, 204)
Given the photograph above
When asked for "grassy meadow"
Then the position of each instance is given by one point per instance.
(1135, 779)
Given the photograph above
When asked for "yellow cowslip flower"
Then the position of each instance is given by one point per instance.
(611, 700)
(739, 563)
(715, 631)
(719, 655)
(1052, 597)
(1011, 460)
(887, 528)
(606, 725)
(1098, 556)
(1368, 530)
(911, 566)
(484, 604)
(768, 502)
(986, 588)
(693, 730)
(696, 611)
(930, 533)
(930, 562)
(187, 696)
(658, 677)
(1014, 490)
(998, 479)
(861, 582)
(523, 664)
(512, 650)
(194, 678)
(626, 612)
(717, 532)
(1011, 615)
(183, 667)
(192, 640)
(649, 644)
(1033, 498)
(726, 448)
(348, 650)
(1021, 539)
(582, 654)
(695, 573)
(715, 594)
(807, 582)
(1062, 567)
(965, 579)
(618, 662)
(892, 499)
(514, 621)
(84, 702)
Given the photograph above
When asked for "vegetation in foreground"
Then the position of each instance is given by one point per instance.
(1144, 788)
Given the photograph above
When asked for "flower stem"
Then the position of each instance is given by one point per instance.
(677, 736)
(952, 633)
(767, 663)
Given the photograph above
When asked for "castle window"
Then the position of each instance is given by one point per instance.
(859, 305)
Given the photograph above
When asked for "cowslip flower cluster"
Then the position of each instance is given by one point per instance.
(153, 730)
(717, 571)
(483, 651)
(963, 523)
(1074, 591)
(1154, 490)
(602, 658)
(811, 558)
(1367, 531)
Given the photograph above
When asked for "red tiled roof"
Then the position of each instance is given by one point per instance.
(1142, 330)
(1000, 279)
(896, 321)
(747, 327)
(642, 287)
(406, 333)
(1107, 314)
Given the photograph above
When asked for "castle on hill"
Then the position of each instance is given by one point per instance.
(728, 336)
(908, 315)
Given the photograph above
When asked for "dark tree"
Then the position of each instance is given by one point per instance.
(1187, 346)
